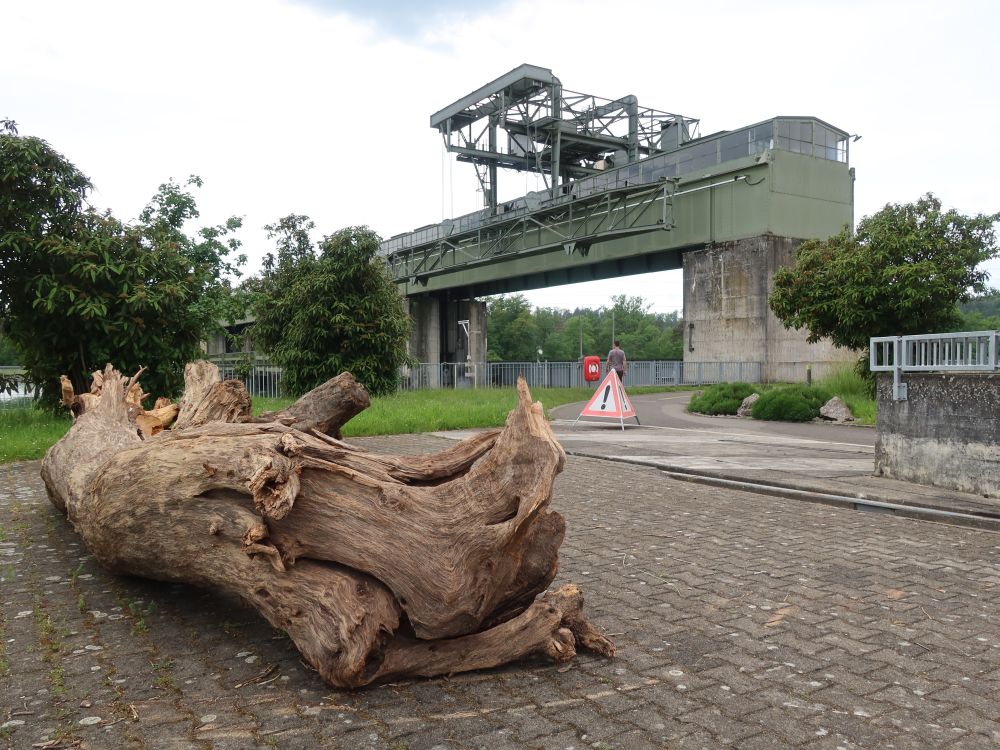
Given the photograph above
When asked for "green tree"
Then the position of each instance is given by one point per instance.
(79, 288)
(516, 332)
(512, 334)
(8, 352)
(901, 273)
(643, 334)
(323, 310)
(981, 313)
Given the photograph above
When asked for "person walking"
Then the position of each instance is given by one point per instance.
(617, 361)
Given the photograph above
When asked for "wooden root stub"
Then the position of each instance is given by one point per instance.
(377, 566)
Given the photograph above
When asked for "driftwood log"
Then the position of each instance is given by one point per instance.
(376, 566)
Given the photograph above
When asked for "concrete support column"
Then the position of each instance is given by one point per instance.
(477, 331)
(450, 333)
(727, 318)
(425, 336)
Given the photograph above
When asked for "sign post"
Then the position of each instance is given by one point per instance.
(609, 401)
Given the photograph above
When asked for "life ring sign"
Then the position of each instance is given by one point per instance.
(591, 369)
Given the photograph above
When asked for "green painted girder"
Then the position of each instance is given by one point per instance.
(634, 229)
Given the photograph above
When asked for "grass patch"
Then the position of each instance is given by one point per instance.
(26, 433)
(450, 409)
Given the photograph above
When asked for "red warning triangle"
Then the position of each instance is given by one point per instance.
(609, 400)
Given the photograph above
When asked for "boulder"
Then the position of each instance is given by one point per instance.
(747, 406)
(835, 410)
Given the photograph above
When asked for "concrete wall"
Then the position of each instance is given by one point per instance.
(726, 287)
(947, 432)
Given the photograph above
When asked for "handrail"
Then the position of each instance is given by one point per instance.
(963, 351)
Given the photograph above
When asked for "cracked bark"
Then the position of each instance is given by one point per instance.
(377, 566)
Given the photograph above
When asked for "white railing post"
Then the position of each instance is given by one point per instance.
(898, 386)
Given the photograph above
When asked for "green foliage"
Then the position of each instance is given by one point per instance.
(793, 403)
(721, 398)
(987, 305)
(79, 288)
(8, 352)
(512, 333)
(902, 273)
(320, 311)
(980, 314)
(515, 332)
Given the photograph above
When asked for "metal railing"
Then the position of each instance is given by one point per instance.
(570, 374)
(261, 378)
(264, 379)
(965, 351)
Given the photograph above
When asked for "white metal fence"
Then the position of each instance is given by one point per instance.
(263, 379)
(965, 351)
(570, 374)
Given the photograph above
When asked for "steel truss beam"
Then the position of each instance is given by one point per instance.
(575, 226)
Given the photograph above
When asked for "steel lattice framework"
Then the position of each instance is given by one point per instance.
(526, 121)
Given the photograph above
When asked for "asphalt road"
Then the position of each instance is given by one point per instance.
(668, 410)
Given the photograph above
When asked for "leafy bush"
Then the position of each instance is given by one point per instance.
(794, 403)
(325, 308)
(722, 398)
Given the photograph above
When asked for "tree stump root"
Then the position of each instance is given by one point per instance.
(378, 567)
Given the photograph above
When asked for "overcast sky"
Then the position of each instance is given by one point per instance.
(321, 107)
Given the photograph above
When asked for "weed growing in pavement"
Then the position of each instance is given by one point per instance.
(57, 679)
(4, 664)
(64, 730)
(136, 614)
(46, 632)
(165, 682)
(75, 573)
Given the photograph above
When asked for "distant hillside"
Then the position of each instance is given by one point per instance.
(988, 306)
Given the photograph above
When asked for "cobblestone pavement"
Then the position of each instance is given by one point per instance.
(742, 621)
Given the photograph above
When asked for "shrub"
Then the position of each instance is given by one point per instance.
(722, 398)
(794, 403)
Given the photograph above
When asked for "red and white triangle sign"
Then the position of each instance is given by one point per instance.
(609, 400)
